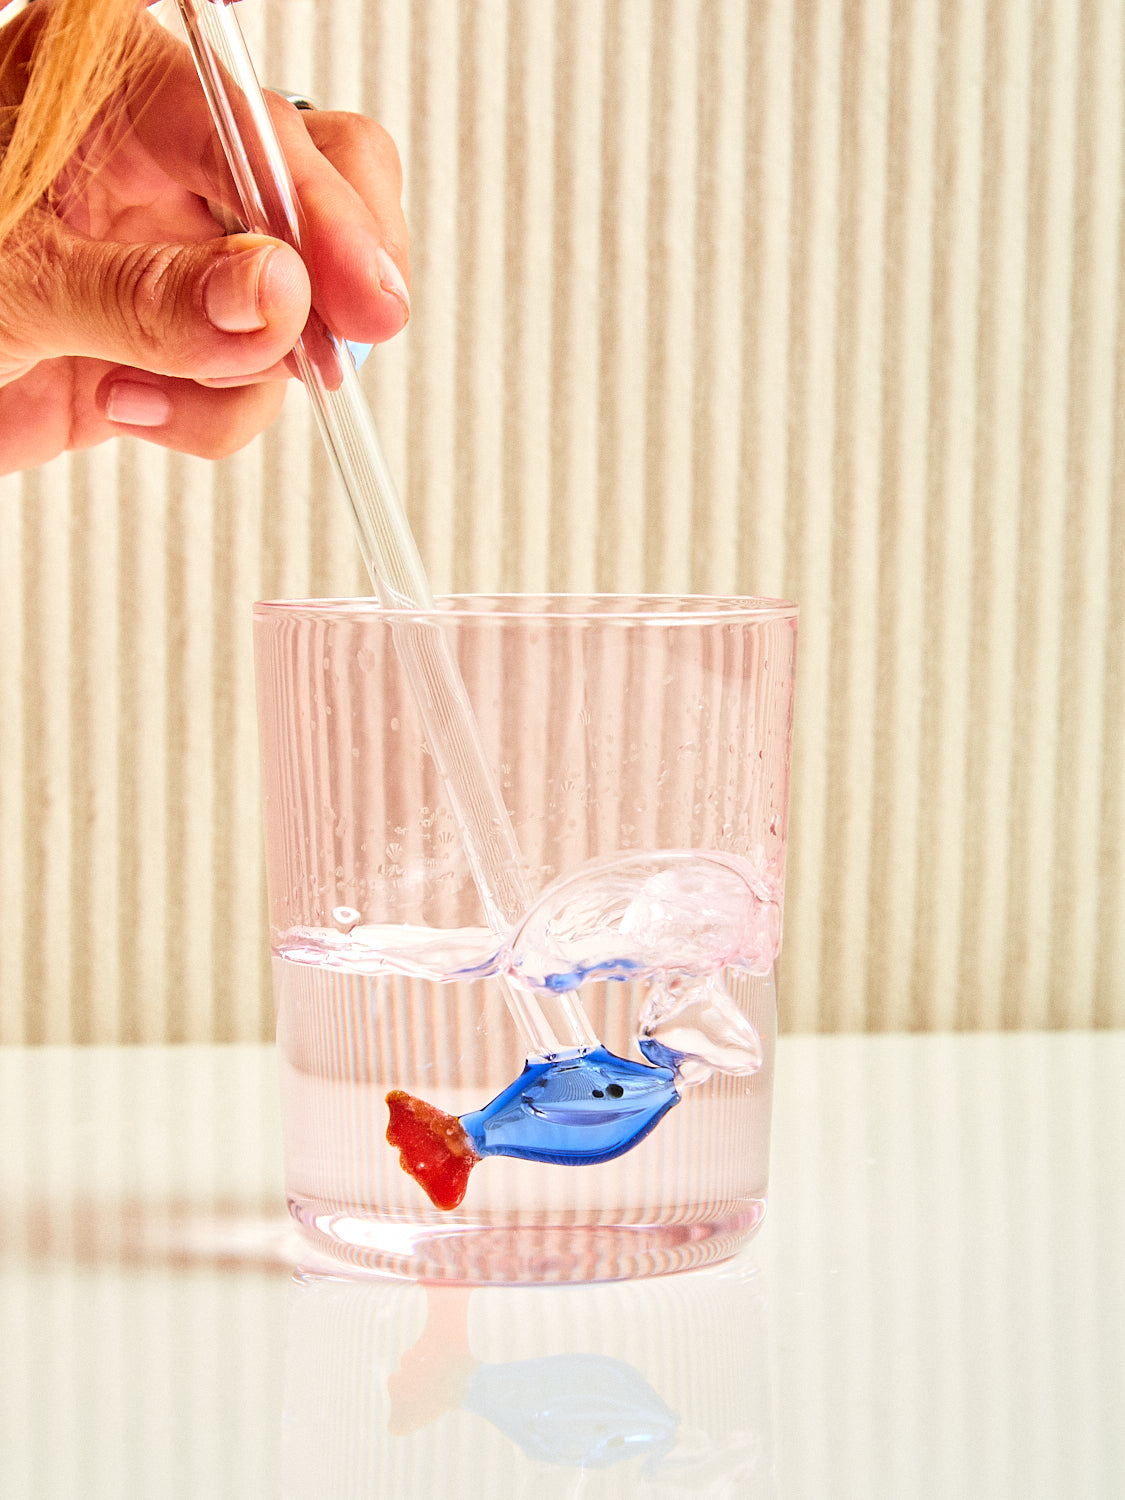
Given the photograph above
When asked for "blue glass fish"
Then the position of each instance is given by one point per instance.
(574, 1110)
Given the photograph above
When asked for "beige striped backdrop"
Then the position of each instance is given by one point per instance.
(818, 298)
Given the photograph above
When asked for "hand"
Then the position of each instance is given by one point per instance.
(124, 310)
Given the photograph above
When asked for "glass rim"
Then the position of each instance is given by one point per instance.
(687, 609)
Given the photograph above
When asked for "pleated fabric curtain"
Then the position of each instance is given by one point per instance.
(812, 298)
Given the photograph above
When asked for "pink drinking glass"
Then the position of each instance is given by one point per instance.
(641, 745)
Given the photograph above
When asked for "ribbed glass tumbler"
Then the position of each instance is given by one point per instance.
(640, 747)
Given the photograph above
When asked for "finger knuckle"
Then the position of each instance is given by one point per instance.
(215, 441)
(220, 446)
(284, 111)
(244, 414)
(34, 268)
(381, 144)
(147, 289)
(360, 132)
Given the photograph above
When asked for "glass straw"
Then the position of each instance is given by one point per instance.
(270, 206)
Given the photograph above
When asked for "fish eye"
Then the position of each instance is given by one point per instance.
(615, 1091)
(598, 1094)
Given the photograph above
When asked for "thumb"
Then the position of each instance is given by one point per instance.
(209, 309)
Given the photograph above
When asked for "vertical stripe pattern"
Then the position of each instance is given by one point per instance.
(811, 298)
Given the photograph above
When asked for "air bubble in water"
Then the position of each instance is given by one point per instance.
(345, 917)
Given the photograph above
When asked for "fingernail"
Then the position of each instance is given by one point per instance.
(391, 279)
(230, 293)
(135, 404)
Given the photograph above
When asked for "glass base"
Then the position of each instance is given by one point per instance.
(520, 1255)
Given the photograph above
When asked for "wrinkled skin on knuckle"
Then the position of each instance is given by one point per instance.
(148, 288)
(34, 267)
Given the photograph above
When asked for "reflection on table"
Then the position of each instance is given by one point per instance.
(655, 1389)
(935, 1306)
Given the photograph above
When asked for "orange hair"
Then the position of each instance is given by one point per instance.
(79, 51)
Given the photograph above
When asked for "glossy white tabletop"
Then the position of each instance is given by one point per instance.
(935, 1306)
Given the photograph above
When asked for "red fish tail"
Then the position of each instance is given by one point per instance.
(433, 1148)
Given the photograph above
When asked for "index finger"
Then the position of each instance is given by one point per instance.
(348, 180)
